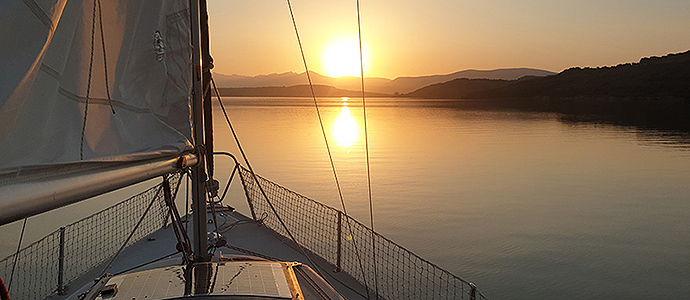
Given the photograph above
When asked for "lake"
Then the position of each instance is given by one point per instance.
(525, 205)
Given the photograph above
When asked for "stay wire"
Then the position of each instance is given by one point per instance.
(122, 247)
(301, 248)
(186, 202)
(16, 255)
(366, 148)
(325, 138)
(256, 179)
(318, 112)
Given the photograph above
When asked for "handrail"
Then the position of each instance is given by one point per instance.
(232, 175)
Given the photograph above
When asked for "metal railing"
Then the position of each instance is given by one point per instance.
(51, 263)
(350, 246)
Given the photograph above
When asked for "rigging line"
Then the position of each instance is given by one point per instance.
(251, 170)
(16, 255)
(105, 59)
(180, 235)
(318, 112)
(364, 110)
(153, 200)
(232, 175)
(325, 138)
(301, 248)
(215, 219)
(186, 202)
(366, 149)
(88, 86)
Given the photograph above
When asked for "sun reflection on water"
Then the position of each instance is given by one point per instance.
(345, 129)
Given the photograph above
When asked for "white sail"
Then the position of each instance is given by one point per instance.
(45, 77)
(52, 57)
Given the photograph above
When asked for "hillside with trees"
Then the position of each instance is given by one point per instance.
(654, 92)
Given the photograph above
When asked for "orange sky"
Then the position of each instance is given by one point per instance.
(412, 37)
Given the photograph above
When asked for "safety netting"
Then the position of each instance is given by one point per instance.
(50, 264)
(388, 270)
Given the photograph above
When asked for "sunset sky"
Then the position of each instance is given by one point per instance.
(414, 37)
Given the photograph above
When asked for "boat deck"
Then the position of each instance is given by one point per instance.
(244, 237)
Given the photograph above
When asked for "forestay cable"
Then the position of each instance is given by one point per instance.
(249, 166)
(325, 138)
(366, 148)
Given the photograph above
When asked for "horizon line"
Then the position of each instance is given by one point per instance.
(388, 78)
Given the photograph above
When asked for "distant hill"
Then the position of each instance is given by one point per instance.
(459, 88)
(292, 91)
(403, 84)
(654, 92)
(667, 76)
(372, 84)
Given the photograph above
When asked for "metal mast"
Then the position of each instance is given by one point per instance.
(200, 248)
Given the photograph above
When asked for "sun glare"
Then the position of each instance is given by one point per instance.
(341, 58)
(345, 129)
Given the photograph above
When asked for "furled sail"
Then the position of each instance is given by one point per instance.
(90, 84)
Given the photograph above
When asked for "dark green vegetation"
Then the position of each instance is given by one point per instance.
(653, 93)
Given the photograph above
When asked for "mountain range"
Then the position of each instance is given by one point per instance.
(651, 93)
(400, 85)
(651, 77)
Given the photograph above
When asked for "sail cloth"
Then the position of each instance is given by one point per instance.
(49, 52)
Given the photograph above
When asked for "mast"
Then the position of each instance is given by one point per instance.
(207, 65)
(200, 248)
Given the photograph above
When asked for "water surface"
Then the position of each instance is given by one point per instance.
(522, 204)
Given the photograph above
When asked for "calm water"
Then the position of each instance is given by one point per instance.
(522, 204)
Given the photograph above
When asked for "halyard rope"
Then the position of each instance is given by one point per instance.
(88, 85)
(105, 67)
(105, 59)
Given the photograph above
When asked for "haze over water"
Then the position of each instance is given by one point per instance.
(522, 204)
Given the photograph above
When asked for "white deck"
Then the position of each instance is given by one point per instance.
(246, 235)
(256, 278)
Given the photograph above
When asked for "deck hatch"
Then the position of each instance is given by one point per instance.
(265, 279)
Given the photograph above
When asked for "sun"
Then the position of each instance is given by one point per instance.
(341, 58)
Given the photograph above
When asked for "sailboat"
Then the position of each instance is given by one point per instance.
(100, 95)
